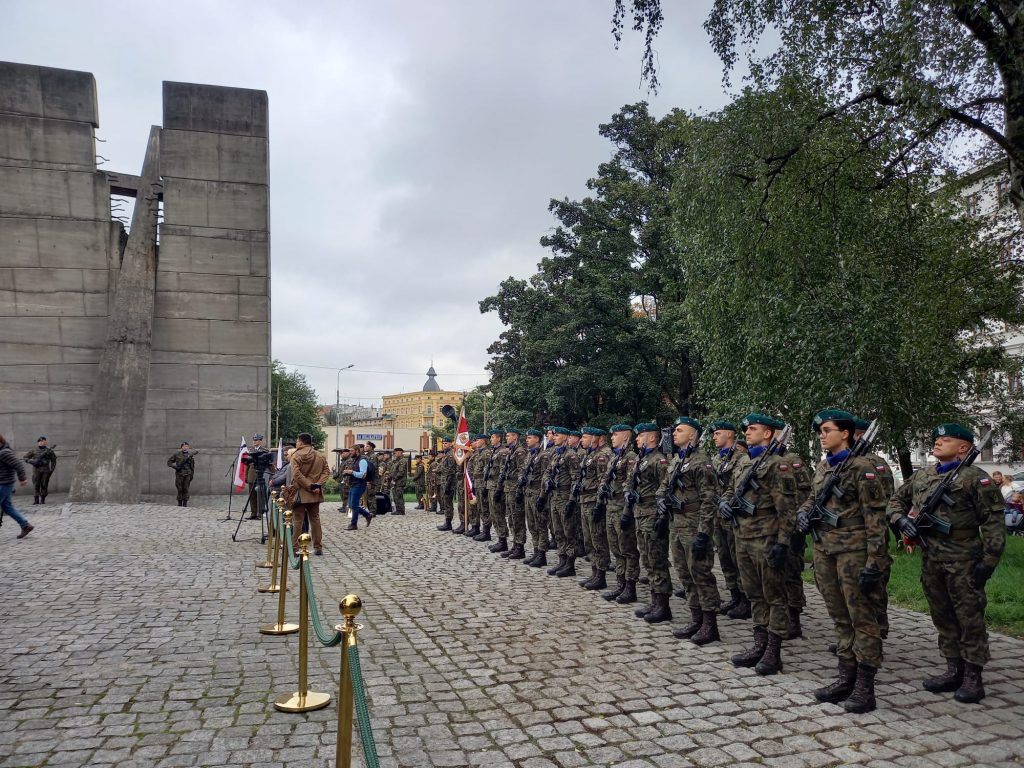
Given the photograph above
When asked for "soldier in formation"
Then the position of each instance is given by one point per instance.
(398, 471)
(419, 481)
(447, 470)
(44, 462)
(183, 463)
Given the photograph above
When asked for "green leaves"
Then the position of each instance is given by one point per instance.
(293, 408)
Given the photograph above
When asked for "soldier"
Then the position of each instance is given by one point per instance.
(514, 510)
(596, 458)
(555, 494)
(888, 482)
(44, 462)
(419, 481)
(250, 477)
(795, 599)
(485, 492)
(184, 465)
(477, 463)
(763, 540)
(848, 557)
(689, 494)
(433, 465)
(399, 471)
(496, 490)
(955, 566)
(343, 480)
(529, 486)
(729, 451)
(446, 475)
(622, 545)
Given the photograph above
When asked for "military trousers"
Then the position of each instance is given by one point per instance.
(852, 612)
(515, 512)
(537, 521)
(556, 518)
(957, 608)
(764, 586)
(595, 537)
(881, 596)
(654, 549)
(181, 484)
(483, 499)
(421, 491)
(725, 547)
(432, 493)
(499, 521)
(41, 483)
(447, 504)
(398, 498)
(622, 546)
(695, 576)
(570, 529)
(795, 597)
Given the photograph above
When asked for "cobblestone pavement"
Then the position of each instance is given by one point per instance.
(131, 640)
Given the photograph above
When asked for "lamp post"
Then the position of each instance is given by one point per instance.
(337, 402)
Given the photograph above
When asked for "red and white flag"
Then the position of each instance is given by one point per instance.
(240, 467)
(461, 437)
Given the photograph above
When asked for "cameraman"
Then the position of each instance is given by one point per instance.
(309, 471)
(251, 474)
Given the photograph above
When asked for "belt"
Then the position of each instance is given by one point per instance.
(963, 534)
(850, 522)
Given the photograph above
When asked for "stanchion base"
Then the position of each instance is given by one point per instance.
(266, 589)
(293, 702)
(279, 629)
(266, 564)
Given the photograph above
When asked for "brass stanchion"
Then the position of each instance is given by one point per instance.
(303, 700)
(280, 627)
(271, 532)
(350, 607)
(273, 565)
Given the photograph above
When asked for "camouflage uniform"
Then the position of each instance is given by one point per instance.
(399, 472)
(556, 488)
(795, 598)
(447, 476)
(594, 466)
(515, 512)
(497, 501)
(477, 462)
(433, 490)
(654, 547)
(696, 489)
(44, 462)
(725, 534)
(483, 493)
(536, 519)
(772, 522)
(622, 545)
(570, 518)
(977, 535)
(842, 552)
(880, 596)
(419, 482)
(184, 466)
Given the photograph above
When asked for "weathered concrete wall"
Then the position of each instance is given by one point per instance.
(59, 260)
(210, 373)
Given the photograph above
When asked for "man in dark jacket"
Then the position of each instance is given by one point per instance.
(11, 468)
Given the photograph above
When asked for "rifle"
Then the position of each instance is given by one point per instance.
(820, 513)
(499, 492)
(631, 497)
(38, 462)
(549, 486)
(179, 465)
(487, 472)
(525, 479)
(722, 474)
(738, 505)
(604, 490)
(926, 518)
(673, 479)
(576, 490)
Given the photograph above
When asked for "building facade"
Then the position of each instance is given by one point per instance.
(421, 410)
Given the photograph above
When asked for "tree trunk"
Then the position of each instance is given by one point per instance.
(906, 465)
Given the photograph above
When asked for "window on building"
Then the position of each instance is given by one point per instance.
(972, 204)
(1003, 192)
(1008, 250)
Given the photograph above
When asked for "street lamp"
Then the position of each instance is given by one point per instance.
(337, 402)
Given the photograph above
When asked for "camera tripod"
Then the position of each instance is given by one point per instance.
(262, 499)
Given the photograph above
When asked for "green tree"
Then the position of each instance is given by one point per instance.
(294, 405)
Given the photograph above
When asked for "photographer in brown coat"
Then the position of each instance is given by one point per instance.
(309, 471)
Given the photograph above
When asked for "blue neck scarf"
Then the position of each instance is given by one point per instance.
(837, 458)
(944, 468)
(756, 451)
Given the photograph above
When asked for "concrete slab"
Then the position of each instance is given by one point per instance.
(53, 144)
(61, 94)
(195, 107)
(36, 192)
(216, 204)
(242, 338)
(214, 157)
(183, 304)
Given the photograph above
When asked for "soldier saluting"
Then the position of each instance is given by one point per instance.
(184, 465)
(44, 462)
(960, 527)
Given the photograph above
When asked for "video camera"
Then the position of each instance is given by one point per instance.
(260, 459)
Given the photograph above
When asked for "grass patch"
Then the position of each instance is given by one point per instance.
(1005, 612)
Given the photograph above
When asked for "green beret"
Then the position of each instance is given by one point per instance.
(594, 431)
(690, 423)
(559, 430)
(761, 418)
(646, 426)
(860, 424)
(478, 436)
(444, 439)
(575, 433)
(843, 419)
(513, 431)
(722, 424)
(953, 430)
(496, 431)
(535, 432)
(620, 428)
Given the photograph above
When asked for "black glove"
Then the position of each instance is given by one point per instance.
(661, 522)
(570, 507)
(597, 514)
(906, 527)
(803, 521)
(701, 546)
(542, 503)
(869, 579)
(725, 511)
(981, 574)
(777, 554)
(499, 494)
(664, 506)
(626, 521)
(798, 542)
(520, 496)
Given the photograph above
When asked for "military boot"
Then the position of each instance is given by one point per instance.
(518, 552)
(972, 690)
(569, 569)
(750, 657)
(533, 556)
(593, 575)
(552, 544)
(555, 568)
(628, 594)
(461, 527)
(485, 534)
(840, 688)
(643, 610)
(644, 580)
(35, 499)
(734, 598)
(611, 594)
(689, 630)
(540, 559)
(863, 697)
(680, 593)
(795, 630)
(598, 582)
(446, 526)
(660, 611)
(948, 681)
(771, 662)
(474, 531)
(500, 546)
(708, 631)
(741, 610)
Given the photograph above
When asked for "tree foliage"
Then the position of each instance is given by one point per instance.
(294, 406)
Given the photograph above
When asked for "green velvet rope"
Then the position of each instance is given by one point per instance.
(362, 710)
(328, 639)
(294, 561)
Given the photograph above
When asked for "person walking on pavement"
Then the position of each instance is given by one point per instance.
(11, 469)
(357, 473)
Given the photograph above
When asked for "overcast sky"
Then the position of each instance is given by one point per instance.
(414, 147)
